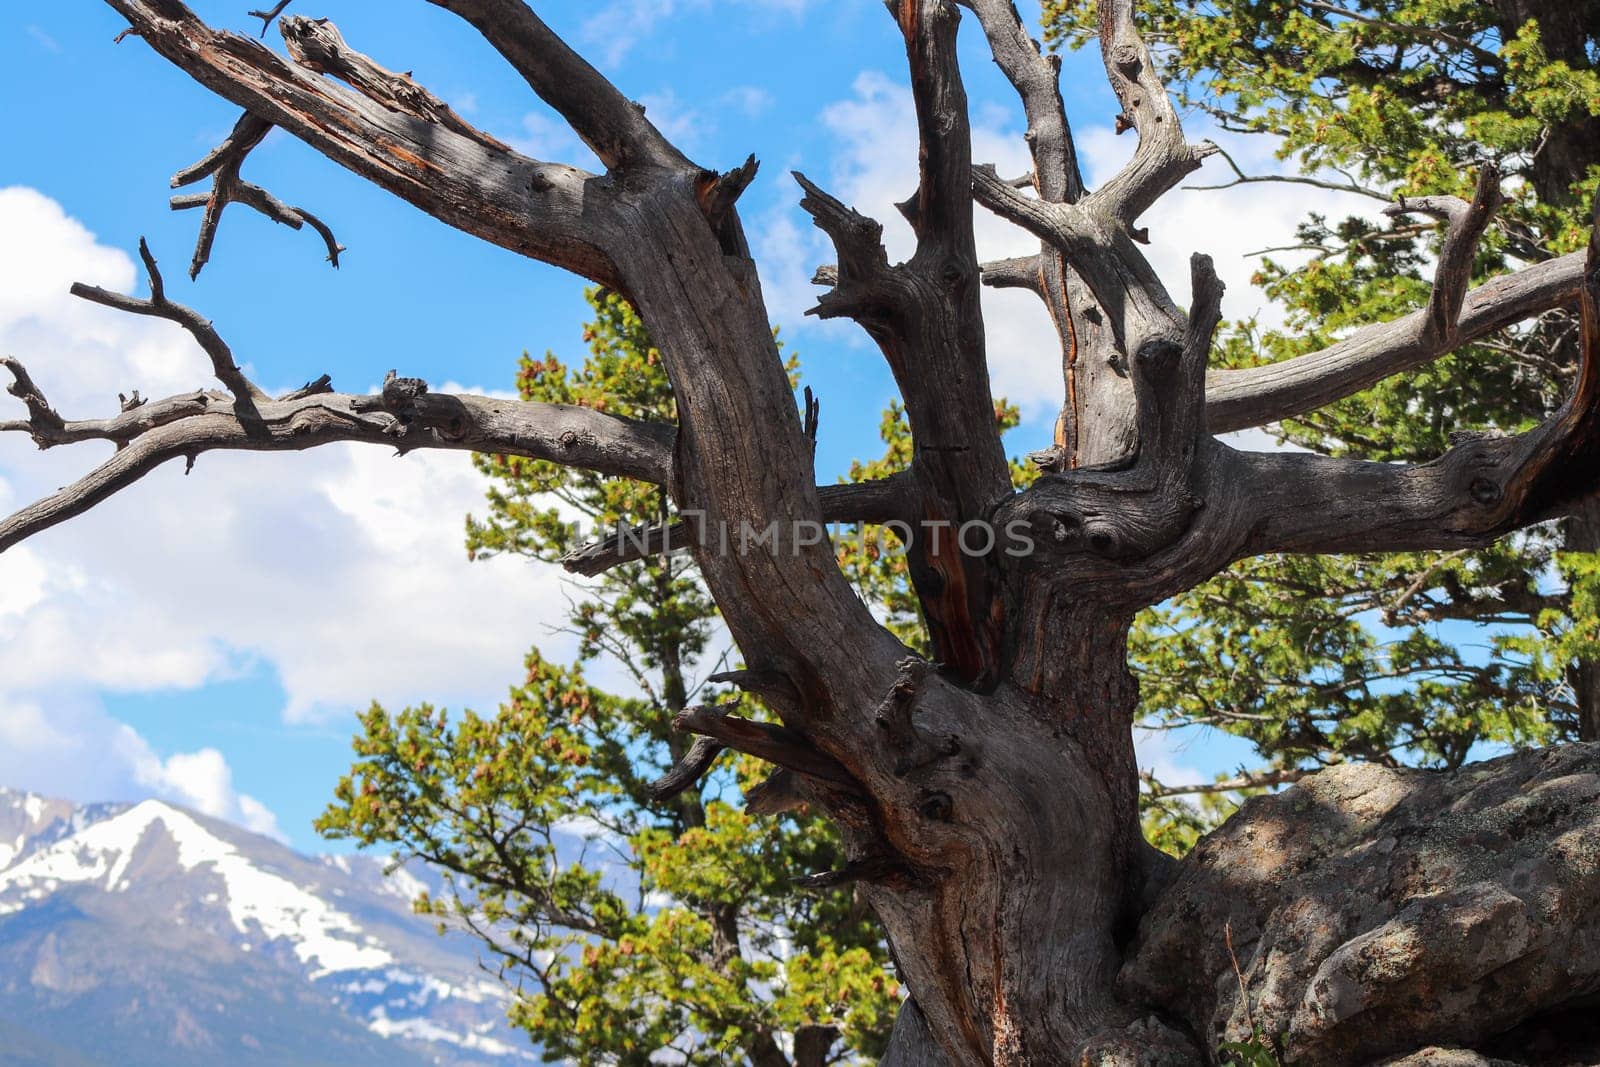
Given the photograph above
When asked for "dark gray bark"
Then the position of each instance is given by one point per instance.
(988, 800)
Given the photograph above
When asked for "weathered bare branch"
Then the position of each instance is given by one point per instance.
(1205, 311)
(42, 423)
(1238, 399)
(1185, 423)
(1485, 486)
(317, 45)
(1019, 272)
(926, 319)
(942, 216)
(1163, 157)
(404, 416)
(776, 744)
(609, 123)
(1465, 224)
(1036, 76)
(138, 416)
(245, 135)
(688, 771)
(191, 424)
(227, 187)
(547, 211)
(1097, 248)
(862, 281)
(158, 306)
(718, 194)
(269, 14)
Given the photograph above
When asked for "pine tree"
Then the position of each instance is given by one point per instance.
(718, 954)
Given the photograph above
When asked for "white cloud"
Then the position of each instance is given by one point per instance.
(61, 745)
(22, 578)
(203, 781)
(752, 100)
(341, 570)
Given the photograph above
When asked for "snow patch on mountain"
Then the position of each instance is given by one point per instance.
(258, 901)
(338, 929)
(423, 1030)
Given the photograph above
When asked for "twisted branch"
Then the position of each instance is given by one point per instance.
(547, 211)
(1480, 489)
(1465, 224)
(200, 328)
(1163, 157)
(227, 187)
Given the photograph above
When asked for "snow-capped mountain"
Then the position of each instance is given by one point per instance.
(147, 934)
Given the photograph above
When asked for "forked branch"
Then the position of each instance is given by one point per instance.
(1164, 158)
(404, 416)
(1482, 488)
(1465, 224)
(158, 306)
(222, 165)
(547, 211)
(266, 16)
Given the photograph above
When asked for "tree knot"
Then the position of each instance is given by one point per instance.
(913, 748)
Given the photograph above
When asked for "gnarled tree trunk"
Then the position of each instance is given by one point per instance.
(989, 796)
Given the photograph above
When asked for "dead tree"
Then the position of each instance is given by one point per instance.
(989, 799)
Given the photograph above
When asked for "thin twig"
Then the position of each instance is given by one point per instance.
(200, 328)
(1287, 179)
(222, 164)
(267, 16)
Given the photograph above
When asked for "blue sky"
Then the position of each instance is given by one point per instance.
(210, 638)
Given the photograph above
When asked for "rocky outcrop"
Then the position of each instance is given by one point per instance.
(1371, 912)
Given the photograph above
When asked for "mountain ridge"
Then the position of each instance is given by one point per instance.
(147, 933)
